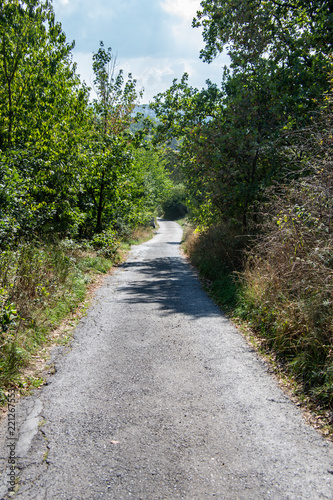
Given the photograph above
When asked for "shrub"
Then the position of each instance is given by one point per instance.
(106, 242)
(174, 207)
(288, 282)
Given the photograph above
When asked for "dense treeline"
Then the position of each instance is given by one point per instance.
(67, 165)
(238, 138)
(256, 157)
(74, 178)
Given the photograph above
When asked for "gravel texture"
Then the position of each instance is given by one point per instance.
(160, 397)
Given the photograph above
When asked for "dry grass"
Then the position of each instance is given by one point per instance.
(140, 235)
(44, 290)
(288, 283)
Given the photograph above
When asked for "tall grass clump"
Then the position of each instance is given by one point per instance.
(218, 254)
(288, 282)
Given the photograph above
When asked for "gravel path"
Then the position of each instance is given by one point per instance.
(161, 398)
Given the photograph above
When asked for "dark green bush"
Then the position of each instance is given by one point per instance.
(174, 207)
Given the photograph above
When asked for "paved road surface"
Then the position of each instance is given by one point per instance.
(161, 398)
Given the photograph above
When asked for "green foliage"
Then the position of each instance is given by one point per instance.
(152, 183)
(106, 242)
(235, 142)
(67, 167)
(43, 110)
(39, 286)
(270, 27)
(108, 158)
(8, 313)
(175, 205)
(116, 99)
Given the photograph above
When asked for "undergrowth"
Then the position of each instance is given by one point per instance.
(218, 254)
(282, 286)
(287, 293)
(41, 284)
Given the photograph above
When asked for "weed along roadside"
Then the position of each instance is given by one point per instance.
(281, 327)
(159, 396)
(44, 291)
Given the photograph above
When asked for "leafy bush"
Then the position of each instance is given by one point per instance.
(174, 207)
(106, 242)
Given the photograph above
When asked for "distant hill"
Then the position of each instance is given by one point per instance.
(145, 110)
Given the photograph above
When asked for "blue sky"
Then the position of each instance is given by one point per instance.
(153, 40)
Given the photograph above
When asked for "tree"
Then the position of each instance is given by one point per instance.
(110, 153)
(35, 64)
(267, 26)
(152, 182)
(237, 141)
(43, 109)
(227, 138)
(294, 36)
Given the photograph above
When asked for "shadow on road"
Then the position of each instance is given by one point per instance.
(170, 283)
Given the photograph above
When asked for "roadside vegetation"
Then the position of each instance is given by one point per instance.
(41, 285)
(79, 179)
(255, 157)
(278, 285)
(249, 161)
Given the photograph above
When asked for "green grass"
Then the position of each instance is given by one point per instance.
(95, 263)
(225, 291)
(40, 286)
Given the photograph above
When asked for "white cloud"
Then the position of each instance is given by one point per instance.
(154, 40)
(185, 9)
(84, 66)
(67, 6)
(186, 37)
(155, 75)
(186, 40)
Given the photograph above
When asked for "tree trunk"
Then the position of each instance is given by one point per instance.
(100, 204)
